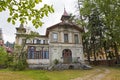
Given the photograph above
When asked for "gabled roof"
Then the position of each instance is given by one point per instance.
(63, 24)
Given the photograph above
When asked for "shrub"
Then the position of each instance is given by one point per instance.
(56, 61)
(19, 65)
(19, 61)
(3, 58)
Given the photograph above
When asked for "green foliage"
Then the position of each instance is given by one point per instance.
(101, 18)
(11, 60)
(24, 11)
(18, 65)
(109, 12)
(19, 62)
(56, 61)
(3, 57)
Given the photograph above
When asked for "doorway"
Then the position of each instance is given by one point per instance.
(67, 56)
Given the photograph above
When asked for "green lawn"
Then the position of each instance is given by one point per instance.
(55, 75)
(42, 75)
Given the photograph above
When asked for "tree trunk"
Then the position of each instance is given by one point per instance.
(88, 53)
(105, 48)
(116, 53)
(22, 54)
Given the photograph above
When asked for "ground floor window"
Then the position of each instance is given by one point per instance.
(33, 54)
(41, 55)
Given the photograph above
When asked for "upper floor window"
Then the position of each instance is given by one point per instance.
(76, 38)
(55, 36)
(65, 37)
(38, 41)
(43, 41)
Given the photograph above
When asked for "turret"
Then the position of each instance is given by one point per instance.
(21, 29)
(65, 17)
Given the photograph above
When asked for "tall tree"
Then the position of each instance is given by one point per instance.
(109, 12)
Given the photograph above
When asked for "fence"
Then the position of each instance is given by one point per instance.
(104, 62)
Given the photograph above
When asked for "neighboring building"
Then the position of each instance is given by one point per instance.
(62, 42)
(1, 37)
(9, 45)
(8, 49)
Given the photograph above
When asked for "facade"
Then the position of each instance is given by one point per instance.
(1, 38)
(62, 42)
(7, 48)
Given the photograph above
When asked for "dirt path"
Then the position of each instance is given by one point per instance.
(98, 75)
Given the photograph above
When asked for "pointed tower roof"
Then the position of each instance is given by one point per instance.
(21, 26)
(65, 12)
(65, 15)
(21, 29)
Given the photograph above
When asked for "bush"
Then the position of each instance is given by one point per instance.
(3, 58)
(18, 65)
(11, 61)
(19, 62)
(56, 61)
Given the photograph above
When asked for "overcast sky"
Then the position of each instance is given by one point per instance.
(9, 30)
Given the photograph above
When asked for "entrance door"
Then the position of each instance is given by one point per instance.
(67, 56)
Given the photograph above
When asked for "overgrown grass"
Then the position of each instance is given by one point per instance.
(43, 75)
(114, 74)
(68, 74)
(56, 75)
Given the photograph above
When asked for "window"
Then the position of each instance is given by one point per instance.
(41, 55)
(55, 37)
(34, 41)
(76, 38)
(65, 37)
(31, 52)
(45, 55)
(38, 55)
(43, 41)
(38, 41)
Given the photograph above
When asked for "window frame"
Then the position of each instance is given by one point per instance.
(66, 38)
(76, 38)
(55, 37)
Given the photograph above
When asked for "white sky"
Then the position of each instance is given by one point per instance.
(9, 30)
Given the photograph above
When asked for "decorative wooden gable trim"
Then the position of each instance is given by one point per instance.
(62, 24)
